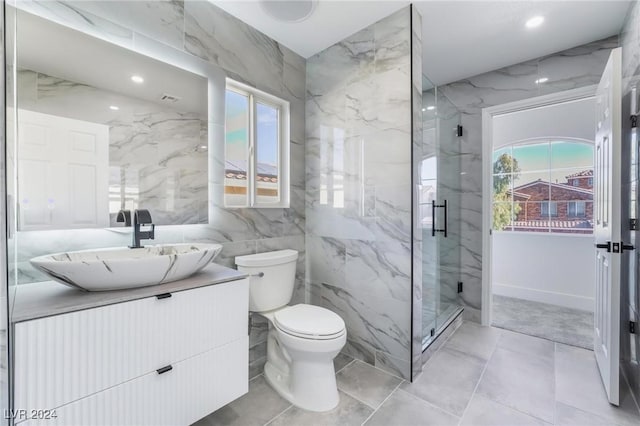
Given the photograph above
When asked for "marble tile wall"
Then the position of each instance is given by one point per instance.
(152, 147)
(358, 184)
(572, 68)
(244, 54)
(630, 289)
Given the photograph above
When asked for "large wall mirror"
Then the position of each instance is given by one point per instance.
(102, 128)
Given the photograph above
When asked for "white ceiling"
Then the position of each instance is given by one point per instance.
(330, 22)
(466, 38)
(460, 38)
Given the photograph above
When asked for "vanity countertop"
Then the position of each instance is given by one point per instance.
(47, 298)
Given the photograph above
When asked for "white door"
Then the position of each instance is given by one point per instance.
(608, 220)
(63, 167)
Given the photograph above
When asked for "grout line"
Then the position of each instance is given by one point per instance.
(382, 403)
(504, 405)
(346, 365)
(431, 404)
(377, 368)
(475, 389)
(356, 398)
(278, 415)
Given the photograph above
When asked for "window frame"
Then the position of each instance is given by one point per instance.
(282, 107)
(576, 214)
(551, 212)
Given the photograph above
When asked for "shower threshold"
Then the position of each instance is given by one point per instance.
(440, 324)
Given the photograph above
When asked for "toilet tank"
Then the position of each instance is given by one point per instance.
(272, 276)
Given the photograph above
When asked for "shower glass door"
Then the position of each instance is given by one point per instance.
(439, 199)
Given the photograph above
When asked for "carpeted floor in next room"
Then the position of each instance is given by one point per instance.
(558, 324)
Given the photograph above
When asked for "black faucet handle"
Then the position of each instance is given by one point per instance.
(143, 217)
(124, 216)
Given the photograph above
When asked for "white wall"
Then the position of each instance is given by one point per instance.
(555, 269)
(568, 119)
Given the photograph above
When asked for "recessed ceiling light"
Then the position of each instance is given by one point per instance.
(114, 107)
(430, 108)
(424, 109)
(289, 11)
(536, 21)
(137, 79)
(542, 80)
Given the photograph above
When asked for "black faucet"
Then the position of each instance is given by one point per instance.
(140, 217)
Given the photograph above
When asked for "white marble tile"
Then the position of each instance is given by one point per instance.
(212, 34)
(163, 20)
(327, 260)
(71, 16)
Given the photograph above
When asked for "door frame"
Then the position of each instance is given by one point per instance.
(487, 172)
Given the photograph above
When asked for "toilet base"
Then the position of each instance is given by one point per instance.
(313, 387)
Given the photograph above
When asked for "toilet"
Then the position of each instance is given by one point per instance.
(303, 339)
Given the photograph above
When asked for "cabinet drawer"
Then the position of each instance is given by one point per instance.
(192, 389)
(64, 358)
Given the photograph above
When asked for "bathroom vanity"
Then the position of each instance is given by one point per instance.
(168, 354)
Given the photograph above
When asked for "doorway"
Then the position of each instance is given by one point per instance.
(539, 169)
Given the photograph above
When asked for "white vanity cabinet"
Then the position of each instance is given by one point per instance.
(169, 359)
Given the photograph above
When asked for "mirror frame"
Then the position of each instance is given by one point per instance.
(140, 44)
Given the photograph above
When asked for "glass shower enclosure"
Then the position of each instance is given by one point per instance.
(439, 212)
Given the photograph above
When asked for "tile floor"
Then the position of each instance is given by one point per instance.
(564, 325)
(481, 376)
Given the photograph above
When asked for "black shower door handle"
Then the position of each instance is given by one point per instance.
(433, 218)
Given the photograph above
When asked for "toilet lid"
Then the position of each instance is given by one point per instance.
(309, 321)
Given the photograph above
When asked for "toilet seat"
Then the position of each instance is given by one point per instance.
(309, 322)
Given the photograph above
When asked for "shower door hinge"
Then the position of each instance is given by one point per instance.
(459, 131)
(634, 121)
(632, 327)
(433, 332)
(633, 224)
(459, 286)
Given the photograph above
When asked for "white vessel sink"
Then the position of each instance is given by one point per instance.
(120, 268)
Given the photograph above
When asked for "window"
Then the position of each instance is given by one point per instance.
(549, 208)
(256, 148)
(577, 209)
(539, 185)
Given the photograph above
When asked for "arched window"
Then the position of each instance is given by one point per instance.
(543, 185)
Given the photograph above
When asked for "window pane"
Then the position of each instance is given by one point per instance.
(575, 178)
(574, 217)
(267, 154)
(531, 157)
(565, 154)
(532, 216)
(505, 155)
(531, 186)
(236, 149)
(502, 187)
(503, 216)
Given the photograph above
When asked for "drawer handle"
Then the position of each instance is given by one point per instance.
(163, 296)
(164, 369)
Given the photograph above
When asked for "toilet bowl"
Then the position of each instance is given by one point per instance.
(303, 339)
